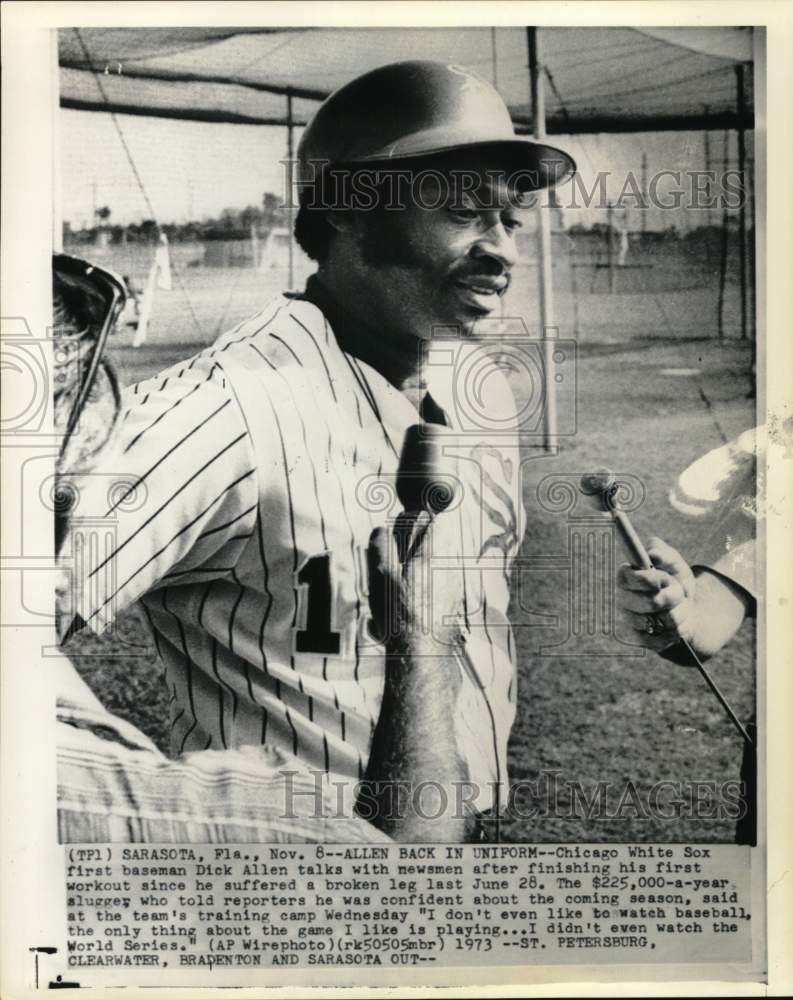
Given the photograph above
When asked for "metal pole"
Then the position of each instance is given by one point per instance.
(537, 102)
(290, 207)
(610, 246)
(724, 239)
(549, 332)
(739, 73)
(752, 249)
(645, 197)
(574, 290)
(708, 213)
(57, 188)
(494, 56)
(706, 137)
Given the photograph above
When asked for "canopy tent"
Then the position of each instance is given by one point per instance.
(601, 79)
(553, 80)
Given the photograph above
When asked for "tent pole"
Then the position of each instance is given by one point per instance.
(494, 56)
(645, 196)
(740, 70)
(751, 247)
(706, 139)
(549, 332)
(724, 239)
(708, 216)
(57, 188)
(574, 289)
(291, 193)
(610, 248)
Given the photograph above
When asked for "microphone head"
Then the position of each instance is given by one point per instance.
(596, 482)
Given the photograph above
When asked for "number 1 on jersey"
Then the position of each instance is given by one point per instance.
(315, 596)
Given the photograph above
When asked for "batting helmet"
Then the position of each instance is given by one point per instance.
(415, 109)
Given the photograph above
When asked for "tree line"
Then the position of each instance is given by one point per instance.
(230, 224)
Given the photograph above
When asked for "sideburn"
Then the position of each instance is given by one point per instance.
(384, 242)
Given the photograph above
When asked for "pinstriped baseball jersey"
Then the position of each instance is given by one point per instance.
(260, 468)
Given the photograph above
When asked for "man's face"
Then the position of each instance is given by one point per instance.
(445, 258)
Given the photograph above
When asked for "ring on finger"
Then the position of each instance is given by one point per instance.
(654, 624)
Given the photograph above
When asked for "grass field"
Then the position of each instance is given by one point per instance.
(645, 405)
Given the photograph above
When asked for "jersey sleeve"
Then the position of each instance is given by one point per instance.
(721, 489)
(114, 785)
(731, 550)
(175, 494)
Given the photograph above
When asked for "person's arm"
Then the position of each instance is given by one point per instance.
(702, 606)
(720, 607)
(412, 788)
(114, 785)
(414, 779)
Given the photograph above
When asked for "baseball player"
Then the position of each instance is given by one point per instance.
(113, 783)
(260, 470)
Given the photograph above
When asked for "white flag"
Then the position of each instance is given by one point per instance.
(163, 262)
(146, 304)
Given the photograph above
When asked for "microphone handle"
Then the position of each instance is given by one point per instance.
(637, 550)
(405, 535)
(632, 541)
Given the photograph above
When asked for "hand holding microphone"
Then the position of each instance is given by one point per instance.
(658, 589)
(658, 585)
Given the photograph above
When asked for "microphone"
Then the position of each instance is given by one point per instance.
(424, 482)
(603, 486)
(425, 477)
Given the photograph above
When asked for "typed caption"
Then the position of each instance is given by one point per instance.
(225, 908)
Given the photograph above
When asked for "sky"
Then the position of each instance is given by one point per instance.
(193, 170)
(189, 170)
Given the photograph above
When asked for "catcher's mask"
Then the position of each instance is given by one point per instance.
(87, 301)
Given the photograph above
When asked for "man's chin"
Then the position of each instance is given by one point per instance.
(450, 329)
(477, 316)
(476, 326)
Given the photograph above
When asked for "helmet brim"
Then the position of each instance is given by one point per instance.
(530, 165)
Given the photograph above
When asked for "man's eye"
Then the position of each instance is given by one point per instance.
(467, 214)
(511, 225)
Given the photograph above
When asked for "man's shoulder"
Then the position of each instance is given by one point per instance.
(270, 341)
(283, 323)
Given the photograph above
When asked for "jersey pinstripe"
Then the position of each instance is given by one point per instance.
(255, 474)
